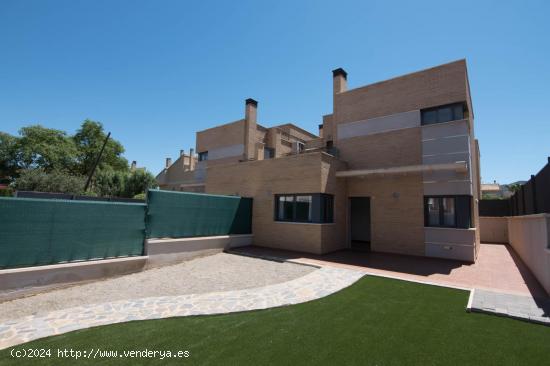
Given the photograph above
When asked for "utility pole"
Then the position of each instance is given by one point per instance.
(96, 162)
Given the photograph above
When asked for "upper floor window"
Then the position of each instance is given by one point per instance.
(445, 113)
(313, 208)
(269, 153)
(448, 211)
(203, 156)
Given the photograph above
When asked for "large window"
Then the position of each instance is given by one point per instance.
(315, 208)
(445, 113)
(448, 211)
(203, 156)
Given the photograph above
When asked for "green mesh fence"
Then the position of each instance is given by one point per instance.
(242, 223)
(182, 214)
(42, 231)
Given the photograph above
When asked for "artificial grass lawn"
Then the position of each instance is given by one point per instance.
(376, 321)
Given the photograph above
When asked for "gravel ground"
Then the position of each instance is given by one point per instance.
(219, 272)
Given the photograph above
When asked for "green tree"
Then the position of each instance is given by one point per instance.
(138, 181)
(88, 140)
(54, 181)
(109, 183)
(45, 148)
(514, 187)
(8, 160)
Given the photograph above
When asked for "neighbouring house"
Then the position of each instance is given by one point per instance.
(495, 191)
(394, 168)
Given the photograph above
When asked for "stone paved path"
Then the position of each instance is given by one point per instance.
(524, 307)
(317, 284)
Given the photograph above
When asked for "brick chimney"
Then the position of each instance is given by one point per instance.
(339, 81)
(168, 162)
(250, 121)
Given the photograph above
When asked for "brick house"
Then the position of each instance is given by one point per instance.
(395, 168)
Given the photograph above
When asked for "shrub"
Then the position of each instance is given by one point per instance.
(140, 196)
(56, 181)
(138, 181)
(109, 183)
(6, 192)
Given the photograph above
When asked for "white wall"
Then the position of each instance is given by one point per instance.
(450, 243)
(529, 236)
(494, 230)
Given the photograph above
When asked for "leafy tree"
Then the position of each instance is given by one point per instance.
(138, 181)
(45, 148)
(88, 140)
(8, 161)
(514, 187)
(55, 181)
(109, 183)
(49, 160)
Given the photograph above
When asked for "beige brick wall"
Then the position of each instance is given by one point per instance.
(397, 207)
(328, 132)
(397, 211)
(436, 86)
(397, 204)
(296, 132)
(220, 136)
(335, 236)
(382, 150)
(305, 173)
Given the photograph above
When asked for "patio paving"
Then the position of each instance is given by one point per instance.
(523, 307)
(498, 267)
(500, 283)
(319, 283)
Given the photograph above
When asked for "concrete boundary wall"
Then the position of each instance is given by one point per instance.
(530, 237)
(494, 229)
(168, 251)
(159, 252)
(18, 278)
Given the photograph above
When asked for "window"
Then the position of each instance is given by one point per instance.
(445, 113)
(203, 156)
(303, 208)
(449, 211)
(285, 209)
(315, 208)
(269, 153)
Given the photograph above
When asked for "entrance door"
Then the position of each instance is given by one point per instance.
(360, 222)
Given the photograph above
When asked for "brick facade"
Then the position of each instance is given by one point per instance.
(382, 125)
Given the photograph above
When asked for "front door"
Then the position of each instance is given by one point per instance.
(360, 223)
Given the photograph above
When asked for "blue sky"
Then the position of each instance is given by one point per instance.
(155, 72)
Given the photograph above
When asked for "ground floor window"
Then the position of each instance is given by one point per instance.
(314, 208)
(448, 211)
